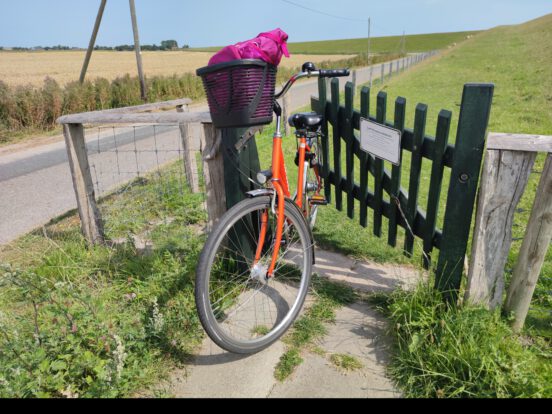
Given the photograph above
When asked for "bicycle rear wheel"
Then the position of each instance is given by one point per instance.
(241, 310)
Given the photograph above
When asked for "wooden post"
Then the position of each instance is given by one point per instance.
(189, 156)
(371, 74)
(138, 50)
(286, 113)
(91, 223)
(382, 73)
(92, 41)
(213, 173)
(504, 178)
(533, 250)
(354, 79)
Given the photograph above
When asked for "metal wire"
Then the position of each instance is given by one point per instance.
(139, 169)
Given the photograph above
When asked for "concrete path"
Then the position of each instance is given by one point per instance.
(358, 331)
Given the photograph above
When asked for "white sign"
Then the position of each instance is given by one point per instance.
(381, 141)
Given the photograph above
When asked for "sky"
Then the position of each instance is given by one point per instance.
(29, 23)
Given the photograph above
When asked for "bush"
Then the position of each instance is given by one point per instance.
(444, 351)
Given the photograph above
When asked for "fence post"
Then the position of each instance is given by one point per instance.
(286, 113)
(189, 157)
(91, 222)
(468, 153)
(213, 173)
(533, 250)
(382, 73)
(371, 73)
(504, 178)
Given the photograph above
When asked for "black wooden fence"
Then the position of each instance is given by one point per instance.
(463, 158)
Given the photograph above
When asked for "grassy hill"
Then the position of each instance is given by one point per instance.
(388, 44)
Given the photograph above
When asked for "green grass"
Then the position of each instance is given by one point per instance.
(443, 351)
(387, 44)
(101, 321)
(346, 362)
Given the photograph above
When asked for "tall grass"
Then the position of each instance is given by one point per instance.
(447, 351)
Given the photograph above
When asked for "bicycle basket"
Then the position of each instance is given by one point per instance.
(240, 93)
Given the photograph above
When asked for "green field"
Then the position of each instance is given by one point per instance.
(387, 44)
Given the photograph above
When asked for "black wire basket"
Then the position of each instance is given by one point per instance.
(240, 93)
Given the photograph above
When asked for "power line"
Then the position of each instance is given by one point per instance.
(324, 13)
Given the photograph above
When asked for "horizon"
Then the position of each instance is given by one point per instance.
(67, 26)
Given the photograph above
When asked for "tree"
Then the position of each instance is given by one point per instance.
(169, 45)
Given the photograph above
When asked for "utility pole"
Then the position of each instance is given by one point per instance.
(138, 50)
(92, 41)
(369, 27)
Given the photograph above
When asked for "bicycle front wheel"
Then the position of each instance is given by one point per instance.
(241, 310)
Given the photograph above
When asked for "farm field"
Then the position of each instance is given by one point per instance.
(387, 44)
(22, 68)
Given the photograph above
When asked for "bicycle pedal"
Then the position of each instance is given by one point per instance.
(318, 200)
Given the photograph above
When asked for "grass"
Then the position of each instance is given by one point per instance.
(346, 362)
(101, 321)
(457, 352)
(387, 44)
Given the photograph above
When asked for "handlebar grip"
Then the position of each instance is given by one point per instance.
(334, 73)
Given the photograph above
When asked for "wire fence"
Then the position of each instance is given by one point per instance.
(142, 180)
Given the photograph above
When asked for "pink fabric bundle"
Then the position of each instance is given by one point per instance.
(268, 46)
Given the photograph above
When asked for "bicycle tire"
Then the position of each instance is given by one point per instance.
(217, 317)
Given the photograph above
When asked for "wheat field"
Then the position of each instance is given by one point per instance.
(22, 68)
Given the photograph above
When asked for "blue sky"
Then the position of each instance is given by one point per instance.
(219, 22)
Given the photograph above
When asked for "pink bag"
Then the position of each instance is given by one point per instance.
(269, 46)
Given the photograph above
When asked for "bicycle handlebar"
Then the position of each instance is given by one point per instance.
(334, 73)
(324, 73)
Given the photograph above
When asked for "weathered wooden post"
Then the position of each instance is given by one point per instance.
(382, 73)
(533, 251)
(508, 163)
(213, 174)
(91, 222)
(504, 178)
(137, 50)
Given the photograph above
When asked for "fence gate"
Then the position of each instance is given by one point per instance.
(402, 208)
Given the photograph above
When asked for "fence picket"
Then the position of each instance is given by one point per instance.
(336, 128)
(378, 167)
(400, 111)
(437, 168)
(325, 171)
(365, 159)
(415, 170)
(468, 154)
(349, 135)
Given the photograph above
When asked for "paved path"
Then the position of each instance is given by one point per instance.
(358, 331)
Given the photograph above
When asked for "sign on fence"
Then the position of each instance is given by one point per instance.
(380, 141)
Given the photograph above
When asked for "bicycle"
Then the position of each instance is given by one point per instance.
(254, 270)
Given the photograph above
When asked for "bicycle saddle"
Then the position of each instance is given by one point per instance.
(309, 121)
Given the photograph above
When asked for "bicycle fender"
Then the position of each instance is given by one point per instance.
(262, 192)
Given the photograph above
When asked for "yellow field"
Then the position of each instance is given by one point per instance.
(21, 68)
